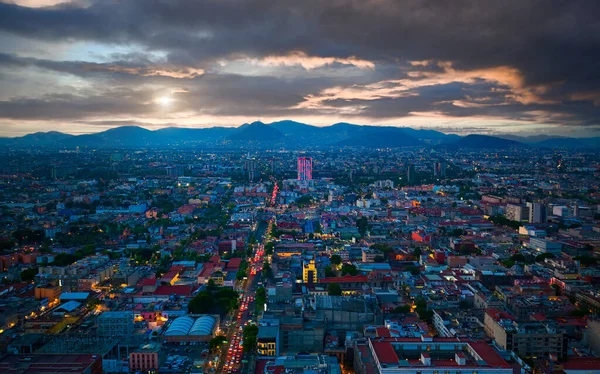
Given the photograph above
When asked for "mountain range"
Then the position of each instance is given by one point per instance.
(289, 134)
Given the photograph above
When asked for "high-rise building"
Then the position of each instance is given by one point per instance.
(62, 171)
(175, 171)
(309, 272)
(250, 167)
(410, 174)
(439, 169)
(304, 168)
(537, 212)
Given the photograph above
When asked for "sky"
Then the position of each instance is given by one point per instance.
(489, 67)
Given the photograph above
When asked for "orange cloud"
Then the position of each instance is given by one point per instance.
(511, 78)
(148, 71)
(594, 97)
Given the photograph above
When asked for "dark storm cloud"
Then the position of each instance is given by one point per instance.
(547, 41)
(220, 94)
(67, 107)
(551, 51)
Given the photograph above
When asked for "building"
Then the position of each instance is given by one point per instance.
(175, 171)
(267, 341)
(117, 323)
(439, 169)
(62, 171)
(304, 168)
(411, 175)
(545, 246)
(537, 212)
(145, 358)
(309, 272)
(527, 339)
(516, 212)
(192, 328)
(369, 255)
(303, 363)
(297, 335)
(427, 355)
(561, 211)
(52, 293)
(51, 363)
(250, 168)
(343, 312)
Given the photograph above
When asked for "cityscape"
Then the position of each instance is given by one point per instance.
(299, 187)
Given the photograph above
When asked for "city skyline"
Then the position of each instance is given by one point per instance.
(85, 66)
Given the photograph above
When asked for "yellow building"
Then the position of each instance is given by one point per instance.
(309, 272)
(266, 348)
(51, 293)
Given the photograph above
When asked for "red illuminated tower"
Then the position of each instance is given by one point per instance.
(304, 168)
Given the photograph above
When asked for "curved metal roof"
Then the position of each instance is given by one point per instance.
(181, 326)
(203, 326)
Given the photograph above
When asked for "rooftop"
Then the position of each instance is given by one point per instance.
(47, 363)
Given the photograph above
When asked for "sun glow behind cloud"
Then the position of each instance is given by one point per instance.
(226, 63)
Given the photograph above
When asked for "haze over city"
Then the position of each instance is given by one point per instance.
(482, 67)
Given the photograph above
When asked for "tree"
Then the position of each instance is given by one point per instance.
(402, 309)
(382, 247)
(414, 270)
(64, 259)
(503, 221)
(362, 224)
(269, 248)
(260, 298)
(329, 272)
(586, 260)
(378, 259)
(457, 232)
(28, 275)
(334, 289)
(543, 256)
(215, 342)
(201, 303)
(249, 334)
(349, 269)
(421, 309)
(336, 259)
(267, 271)
(304, 201)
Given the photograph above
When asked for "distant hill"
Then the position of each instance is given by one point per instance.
(125, 136)
(549, 141)
(257, 132)
(381, 138)
(485, 141)
(36, 139)
(430, 136)
(561, 143)
(293, 127)
(289, 134)
(178, 135)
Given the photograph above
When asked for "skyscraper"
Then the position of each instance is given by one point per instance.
(410, 174)
(250, 166)
(304, 168)
(439, 169)
(537, 212)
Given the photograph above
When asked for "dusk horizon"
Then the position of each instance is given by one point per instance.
(446, 130)
(84, 66)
